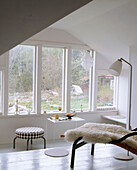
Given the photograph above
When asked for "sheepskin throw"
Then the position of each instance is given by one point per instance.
(100, 133)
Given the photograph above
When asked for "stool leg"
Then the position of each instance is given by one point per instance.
(44, 141)
(92, 149)
(31, 142)
(27, 144)
(14, 142)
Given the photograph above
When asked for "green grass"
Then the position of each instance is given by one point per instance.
(104, 97)
(47, 106)
(76, 102)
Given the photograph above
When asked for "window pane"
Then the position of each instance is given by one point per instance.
(21, 79)
(0, 91)
(51, 87)
(105, 94)
(79, 80)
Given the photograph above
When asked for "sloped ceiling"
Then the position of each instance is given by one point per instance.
(54, 36)
(108, 26)
(21, 19)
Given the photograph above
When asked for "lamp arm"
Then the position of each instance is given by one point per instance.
(129, 116)
(122, 59)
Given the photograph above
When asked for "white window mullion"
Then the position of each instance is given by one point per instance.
(94, 84)
(90, 89)
(68, 79)
(34, 80)
(63, 79)
(2, 92)
(38, 79)
(90, 81)
(6, 86)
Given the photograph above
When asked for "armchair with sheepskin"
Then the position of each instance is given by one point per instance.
(101, 133)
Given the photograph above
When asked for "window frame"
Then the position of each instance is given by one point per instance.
(34, 85)
(2, 91)
(92, 54)
(66, 79)
(115, 94)
(64, 64)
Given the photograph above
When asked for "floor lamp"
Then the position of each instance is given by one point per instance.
(115, 69)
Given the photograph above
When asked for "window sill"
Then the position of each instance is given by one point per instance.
(59, 112)
(21, 115)
(105, 108)
(116, 118)
(53, 112)
(106, 112)
(86, 112)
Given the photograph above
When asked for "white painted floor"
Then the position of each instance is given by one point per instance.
(37, 160)
(37, 144)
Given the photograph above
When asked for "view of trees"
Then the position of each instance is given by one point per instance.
(21, 69)
(105, 90)
(21, 80)
(51, 86)
(21, 77)
(77, 69)
(52, 68)
(79, 81)
(51, 90)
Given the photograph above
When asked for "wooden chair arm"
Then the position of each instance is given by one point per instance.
(134, 129)
(123, 138)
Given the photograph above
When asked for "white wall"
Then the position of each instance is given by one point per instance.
(102, 62)
(9, 124)
(3, 59)
(133, 59)
(123, 92)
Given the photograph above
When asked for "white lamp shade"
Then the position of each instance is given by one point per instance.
(115, 68)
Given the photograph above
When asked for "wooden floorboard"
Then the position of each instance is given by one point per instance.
(37, 160)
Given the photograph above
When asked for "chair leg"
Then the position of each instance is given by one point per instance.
(74, 147)
(27, 144)
(14, 142)
(72, 157)
(92, 149)
(44, 141)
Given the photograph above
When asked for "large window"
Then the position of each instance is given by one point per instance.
(105, 91)
(51, 85)
(79, 81)
(65, 77)
(21, 79)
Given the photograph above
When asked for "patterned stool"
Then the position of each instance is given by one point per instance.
(29, 133)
